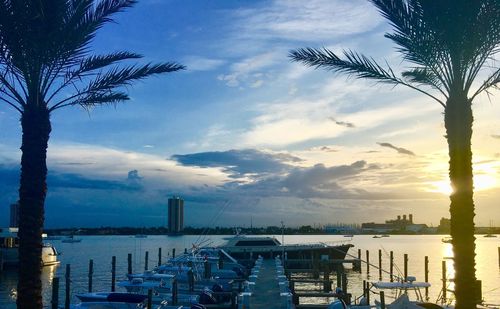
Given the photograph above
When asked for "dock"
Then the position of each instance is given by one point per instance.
(266, 287)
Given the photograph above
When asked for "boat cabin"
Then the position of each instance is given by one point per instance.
(8, 237)
(245, 241)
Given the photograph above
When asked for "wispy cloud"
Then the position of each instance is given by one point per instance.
(342, 123)
(197, 63)
(398, 149)
(316, 20)
(249, 71)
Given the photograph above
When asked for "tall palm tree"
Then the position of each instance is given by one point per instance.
(46, 65)
(447, 44)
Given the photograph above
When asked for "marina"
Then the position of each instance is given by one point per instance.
(101, 249)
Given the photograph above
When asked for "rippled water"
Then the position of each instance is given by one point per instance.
(102, 248)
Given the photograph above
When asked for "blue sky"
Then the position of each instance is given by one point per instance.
(245, 133)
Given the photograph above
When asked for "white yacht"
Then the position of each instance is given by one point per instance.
(9, 244)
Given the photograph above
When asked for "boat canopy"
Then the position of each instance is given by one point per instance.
(401, 285)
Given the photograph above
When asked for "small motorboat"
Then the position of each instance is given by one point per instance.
(446, 240)
(112, 297)
(71, 239)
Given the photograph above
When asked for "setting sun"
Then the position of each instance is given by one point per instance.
(481, 182)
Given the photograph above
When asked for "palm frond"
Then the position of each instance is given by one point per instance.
(95, 99)
(493, 81)
(355, 64)
(88, 65)
(123, 76)
(118, 77)
(424, 76)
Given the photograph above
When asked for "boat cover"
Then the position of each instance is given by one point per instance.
(401, 285)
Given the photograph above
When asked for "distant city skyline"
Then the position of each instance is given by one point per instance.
(246, 135)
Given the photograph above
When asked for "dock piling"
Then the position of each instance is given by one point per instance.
(382, 300)
(405, 267)
(367, 261)
(113, 273)
(150, 299)
(359, 258)
(173, 253)
(443, 278)
(55, 293)
(391, 266)
(344, 283)
(174, 292)
(207, 269)
(68, 287)
(129, 263)
(146, 259)
(327, 284)
(159, 256)
(339, 278)
(380, 264)
(426, 275)
(91, 272)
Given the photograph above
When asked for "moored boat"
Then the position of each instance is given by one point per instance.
(9, 247)
(250, 247)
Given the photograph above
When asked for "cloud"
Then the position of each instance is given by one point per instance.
(197, 63)
(342, 123)
(134, 175)
(248, 71)
(240, 163)
(398, 149)
(313, 21)
(75, 181)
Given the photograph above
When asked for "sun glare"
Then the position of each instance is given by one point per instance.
(481, 182)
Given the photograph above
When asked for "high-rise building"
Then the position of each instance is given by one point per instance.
(14, 215)
(175, 215)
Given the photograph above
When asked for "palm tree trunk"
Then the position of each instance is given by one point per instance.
(35, 122)
(458, 123)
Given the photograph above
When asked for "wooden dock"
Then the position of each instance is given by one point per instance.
(267, 290)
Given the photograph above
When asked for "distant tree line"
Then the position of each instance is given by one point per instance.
(269, 230)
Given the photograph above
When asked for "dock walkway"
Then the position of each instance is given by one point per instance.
(267, 292)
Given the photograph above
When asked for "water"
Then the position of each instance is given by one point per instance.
(102, 248)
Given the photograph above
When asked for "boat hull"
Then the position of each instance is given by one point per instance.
(10, 256)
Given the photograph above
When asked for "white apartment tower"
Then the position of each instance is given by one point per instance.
(175, 215)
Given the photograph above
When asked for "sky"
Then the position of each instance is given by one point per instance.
(244, 135)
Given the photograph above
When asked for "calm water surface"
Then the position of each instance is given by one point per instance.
(102, 248)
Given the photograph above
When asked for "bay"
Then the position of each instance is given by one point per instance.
(101, 249)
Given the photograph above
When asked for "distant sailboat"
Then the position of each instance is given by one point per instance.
(490, 235)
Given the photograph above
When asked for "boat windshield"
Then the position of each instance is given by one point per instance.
(264, 242)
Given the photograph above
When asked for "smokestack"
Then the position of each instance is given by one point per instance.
(411, 218)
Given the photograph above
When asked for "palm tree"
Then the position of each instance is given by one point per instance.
(46, 65)
(447, 44)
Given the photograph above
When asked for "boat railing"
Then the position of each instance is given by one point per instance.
(321, 244)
